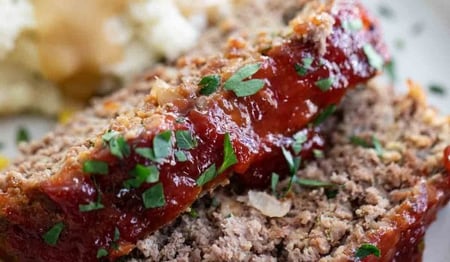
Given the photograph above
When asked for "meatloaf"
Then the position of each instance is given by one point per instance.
(385, 195)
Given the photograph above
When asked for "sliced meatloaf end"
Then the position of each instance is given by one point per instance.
(385, 196)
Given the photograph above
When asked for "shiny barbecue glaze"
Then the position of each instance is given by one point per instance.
(447, 159)
(259, 125)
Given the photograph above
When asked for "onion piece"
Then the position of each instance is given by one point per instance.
(268, 205)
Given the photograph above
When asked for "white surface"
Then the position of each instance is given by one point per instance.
(424, 58)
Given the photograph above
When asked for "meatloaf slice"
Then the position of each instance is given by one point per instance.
(385, 195)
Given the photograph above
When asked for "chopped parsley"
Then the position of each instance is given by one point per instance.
(391, 71)
(92, 206)
(95, 167)
(375, 60)
(302, 69)
(116, 234)
(142, 174)
(312, 183)
(101, 252)
(209, 84)
(162, 145)
(324, 84)
(193, 213)
(208, 175)
(437, 89)
(318, 153)
(353, 25)
(294, 165)
(243, 88)
(375, 144)
(331, 192)
(154, 196)
(299, 139)
(110, 135)
(119, 147)
(366, 250)
(229, 157)
(146, 153)
(274, 182)
(181, 156)
(328, 111)
(52, 236)
(185, 140)
(22, 135)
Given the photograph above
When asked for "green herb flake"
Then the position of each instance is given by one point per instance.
(299, 139)
(209, 84)
(311, 182)
(146, 153)
(377, 146)
(294, 165)
(327, 112)
(101, 252)
(181, 156)
(366, 250)
(437, 89)
(243, 88)
(391, 70)
(208, 175)
(119, 147)
(185, 140)
(116, 234)
(331, 193)
(193, 213)
(229, 157)
(274, 182)
(22, 135)
(162, 145)
(375, 59)
(95, 167)
(358, 141)
(302, 69)
(318, 153)
(92, 206)
(109, 135)
(353, 25)
(154, 196)
(52, 236)
(142, 174)
(324, 84)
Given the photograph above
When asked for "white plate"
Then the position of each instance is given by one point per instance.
(422, 30)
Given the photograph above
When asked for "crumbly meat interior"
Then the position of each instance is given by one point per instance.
(371, 190)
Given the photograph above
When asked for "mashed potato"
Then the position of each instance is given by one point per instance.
(53, 50)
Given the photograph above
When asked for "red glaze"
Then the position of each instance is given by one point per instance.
(259, 125)
(447, 159)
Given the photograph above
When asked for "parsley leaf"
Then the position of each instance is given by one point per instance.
(146, 153)
(366, 250)
(22, 135)
(302, 69)
(181, 156)
(148, 174)
(185, 140)
(377, 145)
(375, 60)
(209, 84)
(243, 88)
(353, 25)
(299, 139)
(101, 252)
(324, 84)
(274, 182)
(209, 174)
(154, 196)
(311, 182)
(162, 145)
(292, 162)
(437, 89)
(318, 153)
(328, 111)
(116, 234)
(119, 147)
(229, 157)
(52, 235)
(92, 206)
(193, 213)
(95, 167)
